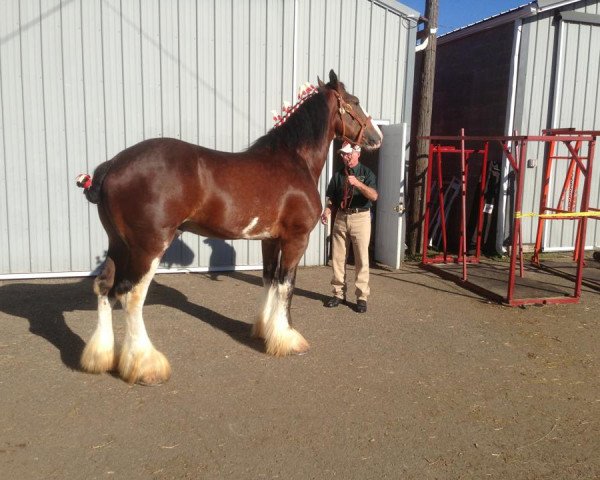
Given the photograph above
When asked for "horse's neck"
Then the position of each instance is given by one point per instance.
(315, 158)
(316, 155)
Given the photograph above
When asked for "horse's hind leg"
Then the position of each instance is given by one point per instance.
(270, 251)
(139, 361)
(280, 338)
(99, 354)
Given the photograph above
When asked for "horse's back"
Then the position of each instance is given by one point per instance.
(165, 184)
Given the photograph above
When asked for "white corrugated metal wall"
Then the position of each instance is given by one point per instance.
(81, 80)
(558, 86)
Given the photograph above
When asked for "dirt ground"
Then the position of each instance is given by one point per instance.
(434, 382)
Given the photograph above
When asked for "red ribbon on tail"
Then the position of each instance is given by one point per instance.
(84, 181)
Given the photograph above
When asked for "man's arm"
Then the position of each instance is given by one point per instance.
(368, 192)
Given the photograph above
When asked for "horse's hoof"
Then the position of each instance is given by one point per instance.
(302, 348)
(304, 351)
(147, 368)
(290, 343)
(97, 361)
(258, 330)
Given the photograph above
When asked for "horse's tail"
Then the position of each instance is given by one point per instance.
(92, 186)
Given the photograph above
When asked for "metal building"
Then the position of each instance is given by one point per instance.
(81, 80)
(531, 68)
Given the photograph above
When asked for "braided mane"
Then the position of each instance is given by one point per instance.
(306, 126)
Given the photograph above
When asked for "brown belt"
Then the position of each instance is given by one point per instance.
(350, 211)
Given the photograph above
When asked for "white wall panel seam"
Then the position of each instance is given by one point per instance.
(142, 90)
(355, 41)
(25, 151)
(282, 81)
(370, 43)
(4, 163)
(66, 137)
(43, 54)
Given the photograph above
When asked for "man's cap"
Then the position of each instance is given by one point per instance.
(348, 148)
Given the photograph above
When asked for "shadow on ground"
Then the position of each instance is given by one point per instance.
(44, 305)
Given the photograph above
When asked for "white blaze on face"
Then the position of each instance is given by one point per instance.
(379, 132)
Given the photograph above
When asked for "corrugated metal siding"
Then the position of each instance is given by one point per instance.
(81, 80)
(555, 92)
(578, 105)
(533, 101)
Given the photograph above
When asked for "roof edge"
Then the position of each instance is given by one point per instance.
(492, 22)
(399, 8)
(528, 10)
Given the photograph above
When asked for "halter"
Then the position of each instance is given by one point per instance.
(344, 107)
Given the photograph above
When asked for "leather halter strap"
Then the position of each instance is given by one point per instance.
(344, 107)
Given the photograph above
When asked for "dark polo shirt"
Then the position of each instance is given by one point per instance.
(335, 189)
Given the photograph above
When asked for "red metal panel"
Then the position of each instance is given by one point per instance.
(576, 169)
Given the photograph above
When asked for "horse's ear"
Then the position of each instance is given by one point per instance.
(333, 80)
(321, 84)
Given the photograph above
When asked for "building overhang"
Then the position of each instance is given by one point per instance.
(524, 11)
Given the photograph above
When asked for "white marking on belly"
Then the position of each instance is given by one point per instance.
(259, 235)
(250, 226)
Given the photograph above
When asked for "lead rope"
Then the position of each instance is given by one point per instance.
(348, 190)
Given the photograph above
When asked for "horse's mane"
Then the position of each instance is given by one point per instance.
(306, 126)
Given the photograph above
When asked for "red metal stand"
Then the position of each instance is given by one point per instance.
(436, 153)
(515, 150)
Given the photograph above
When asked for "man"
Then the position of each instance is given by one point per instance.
(350, 194)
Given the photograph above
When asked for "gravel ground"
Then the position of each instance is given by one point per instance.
(433, 382)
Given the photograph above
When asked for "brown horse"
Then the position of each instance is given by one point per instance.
(157, 188)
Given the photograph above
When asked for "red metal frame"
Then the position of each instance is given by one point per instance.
(515, 150)
(437, 151)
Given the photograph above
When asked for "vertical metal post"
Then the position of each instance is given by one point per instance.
(547, 171)
(520, 177)
(463, 194)
(427, 206)
(441, 204)
(573, 199)
(482, 186)
(585, 203)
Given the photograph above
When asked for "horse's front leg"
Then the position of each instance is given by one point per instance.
(280, 338)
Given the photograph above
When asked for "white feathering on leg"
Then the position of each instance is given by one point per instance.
(259, 327)
(139, 361)
(99, 354)
(280, 338)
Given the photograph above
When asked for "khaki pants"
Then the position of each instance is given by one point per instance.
(355, 228)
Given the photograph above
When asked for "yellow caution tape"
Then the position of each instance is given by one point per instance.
(557, 215)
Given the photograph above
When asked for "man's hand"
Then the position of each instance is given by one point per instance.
(355, 182)
(325, 215)
(368, 192)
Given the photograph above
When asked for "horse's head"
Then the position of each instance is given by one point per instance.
(352, 122)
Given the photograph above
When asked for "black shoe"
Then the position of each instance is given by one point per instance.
(333, 302)
(361, 306)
